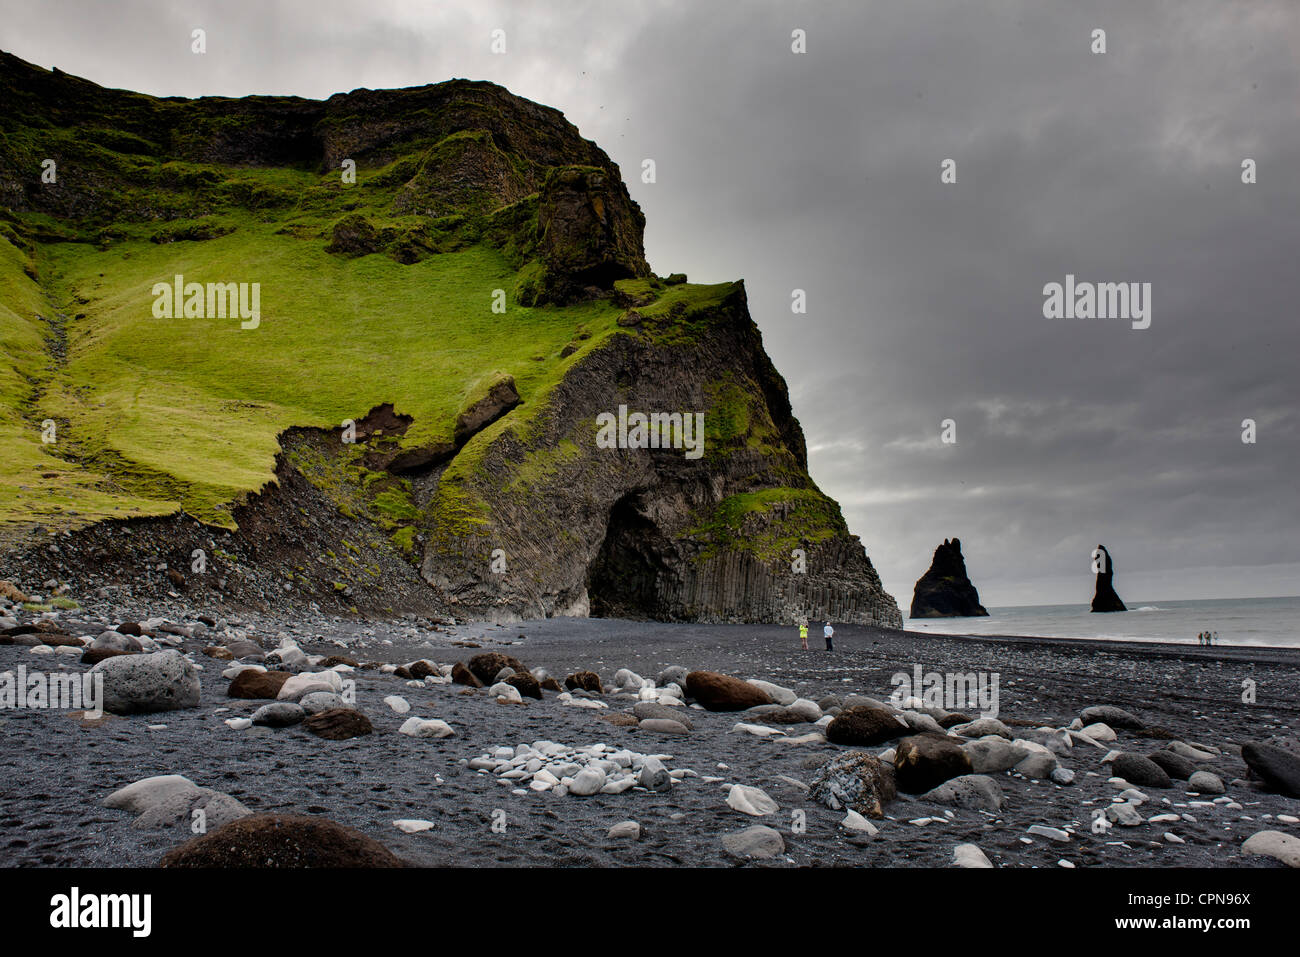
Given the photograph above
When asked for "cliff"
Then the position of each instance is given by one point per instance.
(456, 314)
(945, 591)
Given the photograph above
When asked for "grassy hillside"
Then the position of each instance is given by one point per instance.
(380, 290)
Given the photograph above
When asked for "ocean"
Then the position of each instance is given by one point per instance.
(1239, 621)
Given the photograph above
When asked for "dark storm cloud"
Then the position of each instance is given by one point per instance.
(821, 172)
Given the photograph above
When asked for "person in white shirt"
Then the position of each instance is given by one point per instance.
(829, 633)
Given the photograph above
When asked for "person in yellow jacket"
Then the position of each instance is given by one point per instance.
(803, 634)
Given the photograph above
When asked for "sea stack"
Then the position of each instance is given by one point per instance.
(1105, 598)
(944, 591)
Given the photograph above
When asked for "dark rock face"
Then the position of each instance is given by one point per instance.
(662, 536)
(944, 591)
(501, 398)
(589, 230)
(1105, 598)
(275, 840)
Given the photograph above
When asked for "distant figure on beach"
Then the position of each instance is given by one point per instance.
(1200, 638)
(829, 634)
(803, 634)
(1214, 636)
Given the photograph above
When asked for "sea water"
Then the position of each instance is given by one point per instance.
(1239, 621)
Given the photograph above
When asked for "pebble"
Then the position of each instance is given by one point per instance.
(412, 826)
(398, 703)
(625, 829)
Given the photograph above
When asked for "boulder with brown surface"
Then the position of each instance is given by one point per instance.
(254, 684)
(719, 692)
(281, 841)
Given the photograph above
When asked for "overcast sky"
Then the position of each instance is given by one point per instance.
(821, 171)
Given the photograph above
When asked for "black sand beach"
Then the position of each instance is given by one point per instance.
(54, 773)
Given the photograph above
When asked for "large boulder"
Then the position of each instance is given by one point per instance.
(487, 666)
(865, 725)
(976, 792)
(1279, 769)
(1135, 769)
(1113, 716)
(527, 685)
(141, 684)
(719, 692)
(1174, 765)
(587, 681)
(282, 841)
(924, 761)
(338, 724)
(463, 676)
(990, 755)
(855, 780)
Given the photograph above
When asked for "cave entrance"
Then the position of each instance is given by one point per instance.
(623, 580)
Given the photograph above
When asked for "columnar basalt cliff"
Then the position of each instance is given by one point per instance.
(461, 276)
(945, 591)
(1105, 598)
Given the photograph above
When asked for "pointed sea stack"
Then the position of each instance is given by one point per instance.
(1105, 598)
(944, 591)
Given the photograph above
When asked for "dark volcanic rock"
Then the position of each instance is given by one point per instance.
(944, 591)
(338, 724)
(1278, 768)
(1141, 771)
(527, 685)
(719, 692)
(855, 780)
(487, 666)
(281, 841)
(1105, 598)
(864, 725)
(501, 397)
(925, 761)
(586, 681)
(251, 683)
(1174, 765)
(1111, 715)
(463, 676)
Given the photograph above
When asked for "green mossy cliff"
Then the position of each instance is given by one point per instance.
(476, 296)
